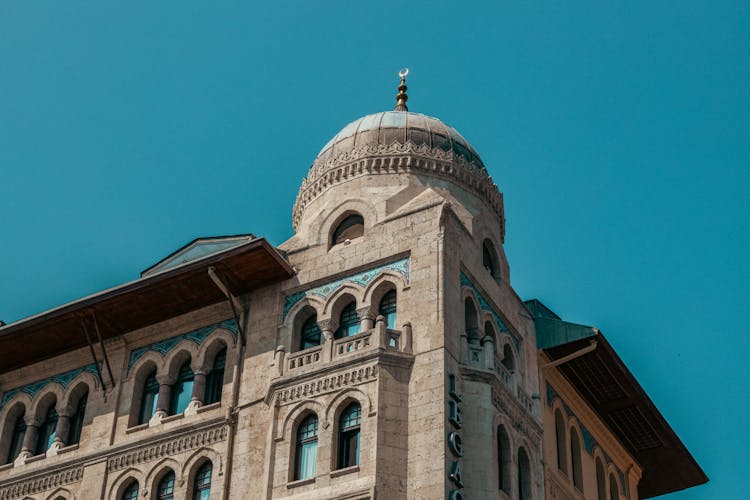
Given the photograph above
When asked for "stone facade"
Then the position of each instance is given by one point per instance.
(451, 397)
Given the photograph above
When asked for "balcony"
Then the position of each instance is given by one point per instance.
(333, 350)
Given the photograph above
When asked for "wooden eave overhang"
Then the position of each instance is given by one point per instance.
(142, 302)
(611, 390)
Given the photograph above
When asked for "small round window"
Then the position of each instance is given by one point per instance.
(353, 226)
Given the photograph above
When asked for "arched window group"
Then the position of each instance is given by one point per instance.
(569, 451)
(308, 326)
(200, 489)
(347, 442)
(48, 427)
(204, 386)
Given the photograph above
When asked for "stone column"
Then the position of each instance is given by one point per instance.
(29, 440)
(162, 402)
(488, 350)
(406, 338)
(366, 319)
(62, 432)
(199, 393)
(279, 358)
(327, 327)
(381, 331)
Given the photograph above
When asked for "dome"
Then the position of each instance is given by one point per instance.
(379, 131)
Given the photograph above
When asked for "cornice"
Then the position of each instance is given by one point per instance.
(398, 158)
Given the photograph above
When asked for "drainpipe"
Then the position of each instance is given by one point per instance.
(232, 411)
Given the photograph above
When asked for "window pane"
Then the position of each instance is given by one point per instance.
(131, 492)
(348, 322)
(182, 390)
(307, 460)
(388, 309)
(165, 490)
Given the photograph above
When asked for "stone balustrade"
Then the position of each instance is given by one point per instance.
(304, 358)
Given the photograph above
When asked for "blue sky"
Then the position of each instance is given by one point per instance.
(617, 131)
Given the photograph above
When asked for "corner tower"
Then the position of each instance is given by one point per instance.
(402, 280)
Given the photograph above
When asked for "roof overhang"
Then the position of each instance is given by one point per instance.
(142, 302)
(606, 384)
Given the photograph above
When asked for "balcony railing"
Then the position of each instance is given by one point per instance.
(313, 358)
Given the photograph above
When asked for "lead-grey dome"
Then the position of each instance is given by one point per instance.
(402, 127)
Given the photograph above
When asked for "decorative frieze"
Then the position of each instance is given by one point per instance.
(64, 379)
(360, 279)
(197, 336)
(326, 384)
(42, 482)
(520, 419)
(167, 447)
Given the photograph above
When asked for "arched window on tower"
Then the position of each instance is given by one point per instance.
(46, 431)
(348, 322)
(489, 259)
(182, 390)
(470, 321)
(310, 335)
(130, 492)
(353, 226)
(215, 378)
(165, 488)
(348, 438)
(306, 448)
(575, 459)
(387, 308)
(202, 483)
(560, 442)
(613, 493)
(601, 486)
(524, 475)
(503, 460)
(149, 398)
(18, 431)
(76, 420)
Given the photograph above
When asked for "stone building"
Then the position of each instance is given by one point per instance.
(380, 352)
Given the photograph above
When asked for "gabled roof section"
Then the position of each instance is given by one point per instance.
(148, 300)
(197, 249)
(611, 390)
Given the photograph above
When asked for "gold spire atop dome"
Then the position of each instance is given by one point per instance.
(401, 98)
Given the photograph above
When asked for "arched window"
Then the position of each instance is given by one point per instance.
(470, 321)
(575, 459)
(310, 333)
(348, 322)
(215, 378)
(46, 431)
(560, 442)
(76, 420)
(613, 493)
(149, 397)
(18, 432)
(349, 423)
(524, 475)
(306, 448)
(509, 361)
(503, 460)
(351, 227)
(601, 486)
(489, 259)
(202, 483)
(182, 390)
(165, 488)
(387, 308)
(131, 492)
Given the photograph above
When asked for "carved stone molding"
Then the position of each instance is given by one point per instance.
(42, 482)
(326, 384)
(167, 447)
(398, 158)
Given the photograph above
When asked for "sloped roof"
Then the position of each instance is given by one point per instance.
(611, 390)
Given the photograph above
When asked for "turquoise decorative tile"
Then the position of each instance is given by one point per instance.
(34, 388)
(197, 336)
(465, 281)
(361, 279)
